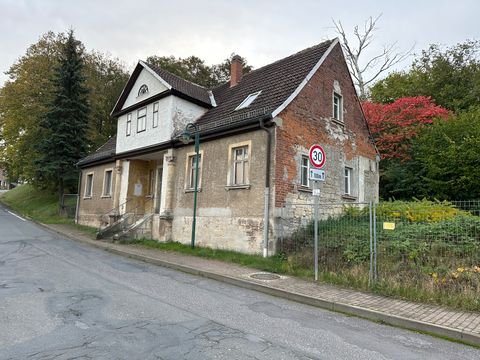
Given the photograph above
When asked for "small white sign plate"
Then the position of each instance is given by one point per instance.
(316, 192)
(137, 190)
(317, 175)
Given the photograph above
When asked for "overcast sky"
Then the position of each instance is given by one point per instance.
(260, 31)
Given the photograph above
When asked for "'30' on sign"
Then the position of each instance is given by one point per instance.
(317, 156)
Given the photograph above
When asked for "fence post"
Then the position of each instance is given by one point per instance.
(77, 206)
(370, 272)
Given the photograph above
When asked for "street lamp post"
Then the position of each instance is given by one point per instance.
(185, 138)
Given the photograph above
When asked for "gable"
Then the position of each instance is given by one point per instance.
(153, 84)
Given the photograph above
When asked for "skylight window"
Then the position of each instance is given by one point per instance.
(248, 100)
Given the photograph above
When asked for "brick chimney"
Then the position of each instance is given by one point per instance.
(236, 70)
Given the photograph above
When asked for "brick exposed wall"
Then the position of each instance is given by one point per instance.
(308, 120)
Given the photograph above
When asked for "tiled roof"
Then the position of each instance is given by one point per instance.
(183, 86)
(104, 152)
(277, 81)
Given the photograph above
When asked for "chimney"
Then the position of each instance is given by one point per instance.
(236, 70)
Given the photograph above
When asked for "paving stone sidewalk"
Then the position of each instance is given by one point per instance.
(459, 325)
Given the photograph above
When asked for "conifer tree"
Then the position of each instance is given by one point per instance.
(64, 127)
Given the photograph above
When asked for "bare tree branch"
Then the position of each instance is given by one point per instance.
(374, 66)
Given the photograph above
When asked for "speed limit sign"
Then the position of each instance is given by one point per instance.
(317, 156)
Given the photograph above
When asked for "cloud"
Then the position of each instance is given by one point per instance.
(261, 31)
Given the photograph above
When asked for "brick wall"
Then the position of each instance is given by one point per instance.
(308, 120)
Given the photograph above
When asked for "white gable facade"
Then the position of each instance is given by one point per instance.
(173, 114)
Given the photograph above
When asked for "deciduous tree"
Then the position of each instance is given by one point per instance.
(394, 125)
(26, 95)
(449, 154)
(23, 101)
(195, 70)
(366, 70)
(451, 77)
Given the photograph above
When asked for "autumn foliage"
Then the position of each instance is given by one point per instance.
(394, 125)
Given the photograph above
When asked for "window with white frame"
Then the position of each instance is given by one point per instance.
(248, 100)
(240, 165)
(348, 181)
(191, 170)
(304, 166)
(141, 119)
(89, 185)
(129, 124)
(337, 106)
(107, 183)
(155, 115)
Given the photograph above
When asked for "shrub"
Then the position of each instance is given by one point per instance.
(418, 211)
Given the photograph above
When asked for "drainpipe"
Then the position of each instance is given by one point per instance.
(77, 208)
(267, 187)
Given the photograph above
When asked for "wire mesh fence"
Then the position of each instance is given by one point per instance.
(421, 244)
(70, 205)
(431, 246)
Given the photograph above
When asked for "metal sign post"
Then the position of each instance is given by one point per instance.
(316, 198)
(317, 160)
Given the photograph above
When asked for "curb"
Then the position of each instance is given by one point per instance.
(377, 316)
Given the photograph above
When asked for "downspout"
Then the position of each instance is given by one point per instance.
(78, 195)
(266, 213)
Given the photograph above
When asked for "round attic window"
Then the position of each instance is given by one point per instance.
(143, 90)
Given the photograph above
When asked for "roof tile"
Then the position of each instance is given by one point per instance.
(181, 85)
(277, 81)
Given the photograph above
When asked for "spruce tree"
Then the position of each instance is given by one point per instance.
(64, 127)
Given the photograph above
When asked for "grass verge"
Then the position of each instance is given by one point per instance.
(275, 264)
(38, 205)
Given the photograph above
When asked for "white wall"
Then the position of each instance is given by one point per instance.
(174, 113)
(154, 87)
(184, 112)
(151, 135)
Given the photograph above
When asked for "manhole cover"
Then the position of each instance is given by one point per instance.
(265, 276)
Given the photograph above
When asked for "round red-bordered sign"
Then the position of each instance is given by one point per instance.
(317, 156)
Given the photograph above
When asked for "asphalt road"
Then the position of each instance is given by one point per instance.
(60, 299)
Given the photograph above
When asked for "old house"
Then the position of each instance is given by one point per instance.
(255, 132)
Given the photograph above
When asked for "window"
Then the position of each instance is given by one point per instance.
(337, 106)
(248, 101)
(151, 182)
(129, 124)
(89, 185)
(191, 170)
(143, 90)
(155, 115)
(240, 166)
(348, 181)
(107, 183)
(141, 119)
(304, 171)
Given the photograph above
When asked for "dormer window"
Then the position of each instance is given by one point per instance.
(143, 90)
(248, 100)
